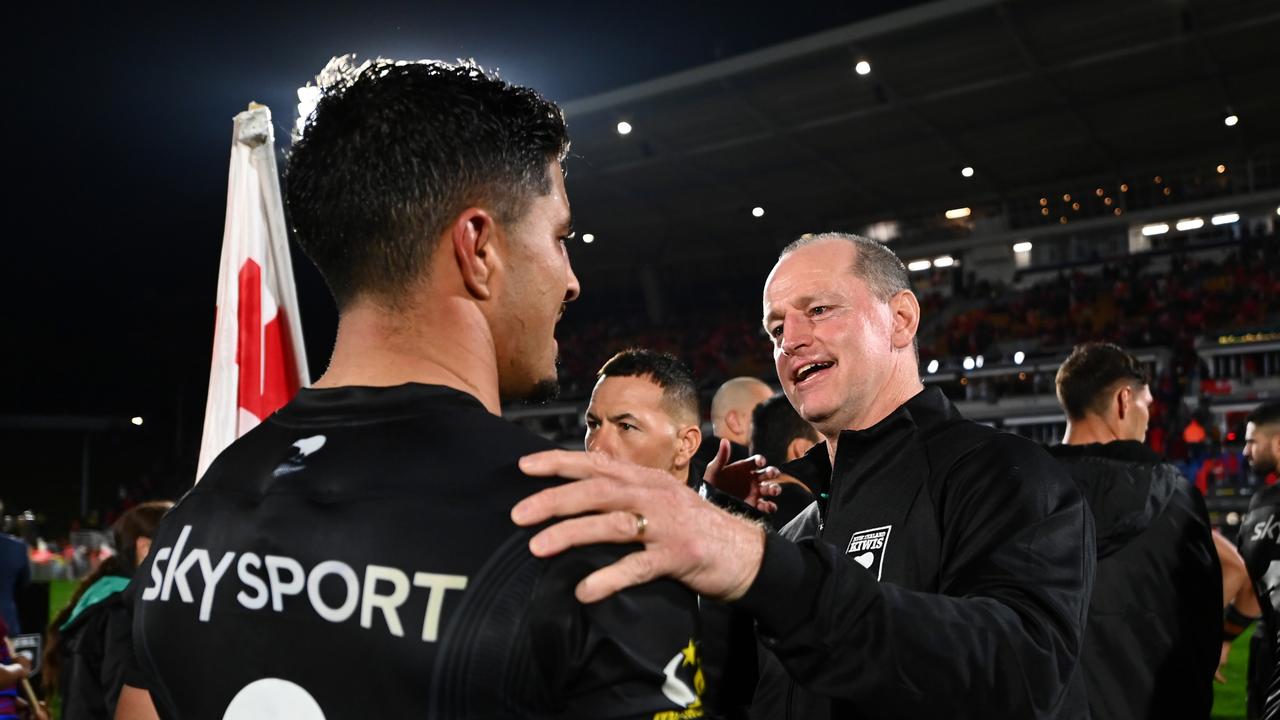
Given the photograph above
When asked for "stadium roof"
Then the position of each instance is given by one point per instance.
(1033, 96)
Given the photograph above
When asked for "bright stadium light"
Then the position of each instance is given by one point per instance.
(958, 213)
(966, 171)
(933, 366)
(624, 128)
(307, 98)
(918, 265)
(1190, 224)
(588, 238)
(1022, 247)
(862, 68)
(979, 361)
(1156, 229)
(968, 363)
(1018, 357)
(1231, 120)
(1225, 218)
(757, 212)
(944, 261)
(136, 420)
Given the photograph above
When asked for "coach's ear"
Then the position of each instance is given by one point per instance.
(906, 318)
(472, 238)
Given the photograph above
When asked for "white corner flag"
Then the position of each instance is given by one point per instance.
(259, 360)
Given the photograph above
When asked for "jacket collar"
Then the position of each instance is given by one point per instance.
(1122, 450)
(925, 410)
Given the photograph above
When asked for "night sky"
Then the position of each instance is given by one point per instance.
(119, 138)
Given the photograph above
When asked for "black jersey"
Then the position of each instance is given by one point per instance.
(1260, 547)
(354, 556)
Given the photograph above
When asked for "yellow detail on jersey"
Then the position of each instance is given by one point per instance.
(694, 660)
(691, 654)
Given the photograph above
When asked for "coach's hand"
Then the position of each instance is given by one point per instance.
(686, 538)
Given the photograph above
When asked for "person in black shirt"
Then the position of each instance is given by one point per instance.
(644, 410)
(1260, 546)
(1155, 619)
(88, 645)
(781, 436)
(353, 555)
(946, 575)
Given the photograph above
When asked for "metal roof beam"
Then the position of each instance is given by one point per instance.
(1064, 99)
(830, 39)
(837, 118)
(774, 131)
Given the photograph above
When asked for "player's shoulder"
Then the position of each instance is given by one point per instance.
(378, 434)
(1266, 496)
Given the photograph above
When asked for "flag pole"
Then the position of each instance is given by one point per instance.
(259, 357)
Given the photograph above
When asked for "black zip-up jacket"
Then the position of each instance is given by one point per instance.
(1260, 546)
(947, 576)
(95, 654)
(1155, 618)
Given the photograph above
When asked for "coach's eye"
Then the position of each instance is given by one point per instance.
(627, 426)
(819, 309)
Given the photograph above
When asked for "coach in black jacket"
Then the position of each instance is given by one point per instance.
(950, 571)
(1155, 620)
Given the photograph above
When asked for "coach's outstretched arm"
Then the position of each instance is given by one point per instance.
(1000, 639)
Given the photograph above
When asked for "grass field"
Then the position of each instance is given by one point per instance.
(1228, 700)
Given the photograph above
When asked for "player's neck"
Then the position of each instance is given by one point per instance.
(449, 345)
(1088, 431)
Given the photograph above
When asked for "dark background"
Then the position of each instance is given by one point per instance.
(118, 128)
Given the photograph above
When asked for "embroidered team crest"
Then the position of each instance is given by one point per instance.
(867, 548)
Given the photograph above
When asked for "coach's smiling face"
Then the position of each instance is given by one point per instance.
(835, 345)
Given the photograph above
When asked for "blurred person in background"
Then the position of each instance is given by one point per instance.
(731, 408)
(13, 670)
(1154, 635)
(1260, 546)
(17, 700)
(782, 436)
(87, 643)
(15, 573)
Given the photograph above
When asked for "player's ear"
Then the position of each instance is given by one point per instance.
(472, 236)
(688, 440)
(1124, 401)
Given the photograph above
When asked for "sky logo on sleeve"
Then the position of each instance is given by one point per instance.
(867, 548)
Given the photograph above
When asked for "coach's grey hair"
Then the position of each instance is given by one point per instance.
(873, 263)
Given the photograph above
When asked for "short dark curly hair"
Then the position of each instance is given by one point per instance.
(668, 372)
(395, 150)
(1090, 372)
(1268, 414)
